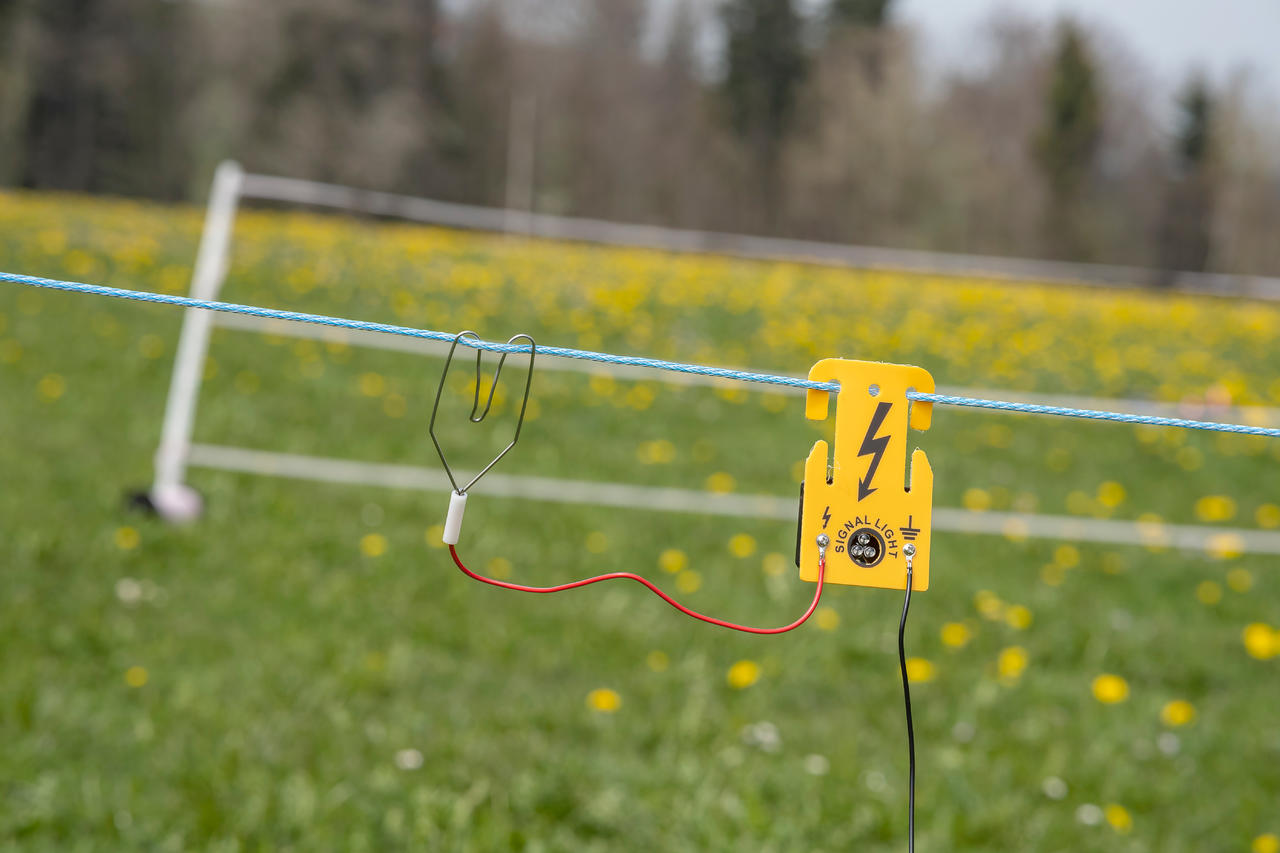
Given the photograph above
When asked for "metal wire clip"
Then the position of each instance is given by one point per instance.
(475, 404)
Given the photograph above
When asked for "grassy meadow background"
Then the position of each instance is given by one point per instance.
(304, 668)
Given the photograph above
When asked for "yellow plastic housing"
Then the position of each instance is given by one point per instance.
(863, 496)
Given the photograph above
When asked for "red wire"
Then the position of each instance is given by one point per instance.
(817, 594)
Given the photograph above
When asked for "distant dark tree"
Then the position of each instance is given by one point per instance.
(486, 59)
(1066, 145)
(678, 192)
(766, 65)
(680, 54)
(102, 96)
(863, 13)
(13, 84)
(602, 128)
(1185, 229)
(860, 27)
(351, 92)
(1194, 132)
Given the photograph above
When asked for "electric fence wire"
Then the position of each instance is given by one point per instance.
(630, 360)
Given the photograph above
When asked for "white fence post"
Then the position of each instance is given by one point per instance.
(170, 496)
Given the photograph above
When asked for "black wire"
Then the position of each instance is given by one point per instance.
(911, 733)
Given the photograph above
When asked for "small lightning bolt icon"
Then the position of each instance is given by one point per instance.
(826, 517)
(873, 446)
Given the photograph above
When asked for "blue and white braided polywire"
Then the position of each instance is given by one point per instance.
(631, 360)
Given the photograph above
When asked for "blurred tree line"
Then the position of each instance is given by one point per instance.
(733, 115)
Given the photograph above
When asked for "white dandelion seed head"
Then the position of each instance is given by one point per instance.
(816, 765)
(129, 591)
(408, 759)
(1089, 814)
(1054, 788)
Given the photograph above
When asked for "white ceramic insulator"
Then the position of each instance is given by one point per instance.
(453, 522)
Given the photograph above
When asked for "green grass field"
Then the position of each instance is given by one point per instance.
(304, 668)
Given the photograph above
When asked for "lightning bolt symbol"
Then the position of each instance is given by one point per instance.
(826, 517)
(874, 447)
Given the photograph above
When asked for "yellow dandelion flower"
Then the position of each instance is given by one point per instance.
(1058, 459)
(603, 700)
(127, 538)
(1018, 617)
(1066, 556)
(1268, 516)
(1267, 842)
(151, 346)
(1152, 531)
(775, 564)
(51, 387)
(1011, 663)
(1015, 530)
(435, 536)
(373, 544)
(657, 452)
(1053, 574)
(602, 386)
(135, 676)
(1111, 494)
(1079, 503)
(828, 618)
(1208, 592)
(1215, 508)
(989, 604)
(1119, 818)
(721, 483)
(1110, 689)
(999, 436)
(1240, 580)
(597, 542)
(742, 545)
(731, 394)
(773, 402)
(1225, 546)
(1113, 563)
(673, 560)
(394, 406)
(640, 397)
(372, 384)
(956, 635)
(743, 674)
(688, 582)
(920, 670)
(657, 661)
(976, 500)
(500, 568)
(1190, 458)
(1260, 641)
(1179, 712)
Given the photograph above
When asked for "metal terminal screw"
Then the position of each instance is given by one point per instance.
(909, 549)
(823, 541)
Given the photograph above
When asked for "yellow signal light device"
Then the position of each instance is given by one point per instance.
(874, 512)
